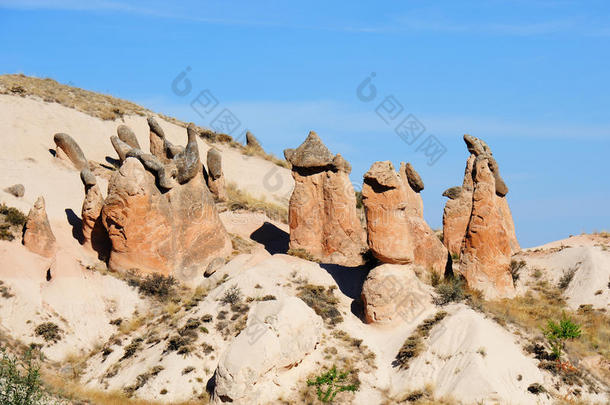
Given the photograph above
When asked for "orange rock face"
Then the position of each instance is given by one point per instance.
(322, 213)
(397, 231)
(95, 236)
(486, 250)
(38, 236)
(173, 233)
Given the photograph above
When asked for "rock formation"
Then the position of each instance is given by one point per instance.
(121, 148)
(160, 215)
(397, 231)
(17, 190)
(94, 233)
(252, 142)
(322, 214)
(458, 208)
(278, 335)
(486, 250)
(393, 293)
(68, 149)
(38, 236)
(160, 147)
(126, 135)
(216, 179)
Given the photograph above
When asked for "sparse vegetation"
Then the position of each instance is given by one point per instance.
(566, 278)
(232, 295)
(414, 344)
(515, 268)
(449, 290)
(20, 381)
(558, 333)
(11, 222)
(5, 291)
(323, 301)
(332, 382)
(49, 331)
(132, 348)
(153, 285)
(239, 199)
(302, 254)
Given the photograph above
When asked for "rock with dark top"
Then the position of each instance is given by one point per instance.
(68, 149)
(414, 179)
(252, 142)
(216, 180)
(17, 190)
(95, 235)
(311, 153)
(453, 192)
(126, 135)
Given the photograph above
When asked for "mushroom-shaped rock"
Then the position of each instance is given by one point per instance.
(397, 232)
(322, 213)
(126, 135)
(393, 293)
(68, 149)
(177, 232)
(17, 190)
(278, 335)
(38, 236)
(486, 250)
(453, 192)
(216, 180)
(95, 236)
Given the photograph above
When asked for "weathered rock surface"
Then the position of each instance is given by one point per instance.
(68, 149)
(252, 142)
(126, 135)
(121, 148)
(458, 208)
(486, 250)
(177, 232)
(278, 335)
(393, 293)
(38, 236)
(95, 235)
(397, 231)
(322, 214)
(17, 190)
(216, 179)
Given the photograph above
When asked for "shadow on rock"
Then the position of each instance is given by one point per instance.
(272, 238)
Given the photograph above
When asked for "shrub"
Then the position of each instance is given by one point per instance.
(414, 344)
(12, 215)
(323, 301)
(49, 331)
(232, 295)
(515, 268)
(329, 384)
(566, 278)
(558, 333)
(301, 254)
(154, 285)
(132, 348)
(450, 290)
(20, 382)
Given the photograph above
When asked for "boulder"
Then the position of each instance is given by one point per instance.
(68, 149)
(397, 231)
(322, 214)
(278, 335)
(121, 148)
(393, 294)
(95, 236)
(177, 232)
(17, 190)
(38, 236)
(486, 250)
(252, 142)
(216, 179)
(126, 135)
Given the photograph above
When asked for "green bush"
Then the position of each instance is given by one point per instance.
(323, 301)
(154, 285)
(232, 295)
(20, 382)
(329, 384)
(12, 215)
(515, 268)
(450, 290)
(49, 331)
(558, 333)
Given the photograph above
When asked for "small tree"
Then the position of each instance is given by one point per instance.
(558, 333)
(20, 382)
(329, 384)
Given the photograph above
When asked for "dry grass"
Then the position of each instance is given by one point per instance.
(238, 199)
(11, 222)
(251, 151)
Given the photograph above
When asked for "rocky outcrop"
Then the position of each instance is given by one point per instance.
(161, 217)
(121, 148)
(252, 142)
(278, 335)
(393, 294)
(160, 146)
(126, 135)
(486, 250)
(38, 236)
(16, 190)
(216, 179)
(67, 149)
(458, 208)
(95, 236)
(322, 213)
(397, 231)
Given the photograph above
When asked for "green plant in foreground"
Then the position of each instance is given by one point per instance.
(20, 382)
(329, 384)
(558, 333)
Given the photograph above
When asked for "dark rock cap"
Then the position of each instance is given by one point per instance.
(214, 163)
(453, 192)
(383, 173)
(414, 179)
(311, 153)
(126, 135)
(252, 141)
(155, 127)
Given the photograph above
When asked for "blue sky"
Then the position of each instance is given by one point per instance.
(529, 77)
